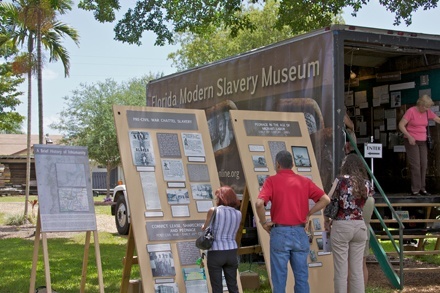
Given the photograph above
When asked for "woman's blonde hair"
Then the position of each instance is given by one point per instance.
(425, 101)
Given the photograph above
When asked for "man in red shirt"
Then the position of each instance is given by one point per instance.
(289, 194)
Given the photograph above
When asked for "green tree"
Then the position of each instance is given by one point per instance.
(30, 24)
(87, 118)
(10, 120)
(199, 49)
(165, 18)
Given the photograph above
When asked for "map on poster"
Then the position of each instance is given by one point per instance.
(64, 188)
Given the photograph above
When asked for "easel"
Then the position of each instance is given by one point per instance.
(258, 136)
(130, 259)
(46, 260)
(243, 209)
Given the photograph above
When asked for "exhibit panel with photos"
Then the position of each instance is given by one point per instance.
(260, 136)
(170, 175)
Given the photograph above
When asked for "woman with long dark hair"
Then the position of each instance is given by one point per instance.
(222, 257)
(348, 231)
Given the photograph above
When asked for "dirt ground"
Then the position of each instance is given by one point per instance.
(413, 282)
(105, 223)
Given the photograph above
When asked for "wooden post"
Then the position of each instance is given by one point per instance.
(128, 262)
(85, 262)
(98, 262)
(35, 255)
(46, 260)
(243, 210)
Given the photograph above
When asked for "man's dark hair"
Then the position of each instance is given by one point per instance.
(284, 158)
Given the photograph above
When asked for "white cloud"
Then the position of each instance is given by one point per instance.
(49, 74)
(49, 120)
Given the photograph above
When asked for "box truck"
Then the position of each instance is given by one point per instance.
(370, 75)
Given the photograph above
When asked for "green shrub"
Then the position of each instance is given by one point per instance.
(19, 219)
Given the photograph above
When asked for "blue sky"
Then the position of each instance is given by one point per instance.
(99, 57)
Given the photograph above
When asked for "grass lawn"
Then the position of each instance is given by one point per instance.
(66, 257)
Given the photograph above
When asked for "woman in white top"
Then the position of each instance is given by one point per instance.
(222, 257)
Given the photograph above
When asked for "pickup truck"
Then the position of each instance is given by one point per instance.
(120, 209)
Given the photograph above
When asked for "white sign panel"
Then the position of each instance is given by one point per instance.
(373, 150)
(64, 188)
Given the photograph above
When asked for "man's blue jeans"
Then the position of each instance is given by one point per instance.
(289, 244)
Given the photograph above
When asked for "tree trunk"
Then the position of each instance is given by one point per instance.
(107, 177)
(40, 80)
(29, 129)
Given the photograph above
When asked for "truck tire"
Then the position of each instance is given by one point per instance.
(121, 216)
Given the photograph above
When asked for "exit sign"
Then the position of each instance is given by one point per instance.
(373, 150)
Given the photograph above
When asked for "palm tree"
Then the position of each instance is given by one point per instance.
(30, 23)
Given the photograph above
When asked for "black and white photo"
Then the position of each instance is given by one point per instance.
(319, 243)
(162, 264)
(142, 148)
(261, 179)
(396, 99)
(259, 161)
(201, 191)
(301, 156)
(316, 224)
(177, 196)
(166, 288)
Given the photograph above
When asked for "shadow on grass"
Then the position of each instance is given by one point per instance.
(65, 261)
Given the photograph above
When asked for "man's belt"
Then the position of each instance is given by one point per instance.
(281, 225)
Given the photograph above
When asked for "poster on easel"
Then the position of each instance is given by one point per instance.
(64, 188)
(170, 177)
(263, 135)
(65, 204)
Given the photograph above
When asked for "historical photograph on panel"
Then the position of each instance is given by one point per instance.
(220, 129)
(319, 243)
(201, 191)
(301, 156)
(166, 288)
(259, 161)
(168, 145)
(162, 264)
(396, 99)
(275, 147)
(316, 224)
(261, 179)
(313, 256)
(173, 170)
(142, 148)
(193, 144)
(177, 196)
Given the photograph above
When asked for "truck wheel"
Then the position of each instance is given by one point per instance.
(121, 216)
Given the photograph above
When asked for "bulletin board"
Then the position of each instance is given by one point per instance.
(170, 175)
(260, 136)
